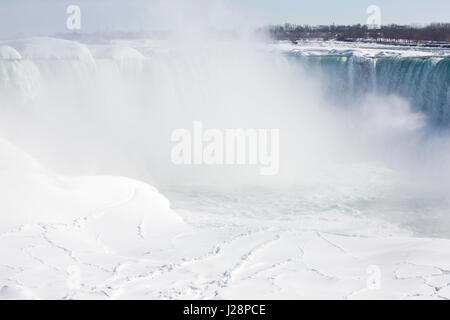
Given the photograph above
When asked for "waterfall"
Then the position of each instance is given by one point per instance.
(424, 82)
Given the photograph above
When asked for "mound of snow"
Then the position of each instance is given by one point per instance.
(127, 58)
(50, 48)
(31, 195)
(51, 226)
(8, 53)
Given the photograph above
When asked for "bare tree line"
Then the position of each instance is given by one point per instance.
(433, 33)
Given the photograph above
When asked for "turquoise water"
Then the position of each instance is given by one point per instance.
(424, 215)
(424, 82)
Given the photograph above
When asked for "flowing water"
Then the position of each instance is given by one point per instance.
(423, 81)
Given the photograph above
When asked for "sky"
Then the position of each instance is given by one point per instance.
(45, 17)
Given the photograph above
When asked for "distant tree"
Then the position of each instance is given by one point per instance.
(436, 32)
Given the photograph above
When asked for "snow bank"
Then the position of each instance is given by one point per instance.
(31, 194)
(358, 49)
(50, 225)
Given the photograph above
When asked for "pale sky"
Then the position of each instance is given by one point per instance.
(46, 17)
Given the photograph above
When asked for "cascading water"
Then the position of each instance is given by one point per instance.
(423, 81)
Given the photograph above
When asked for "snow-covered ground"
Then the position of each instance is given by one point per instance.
(362, 49)
(110, 237)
